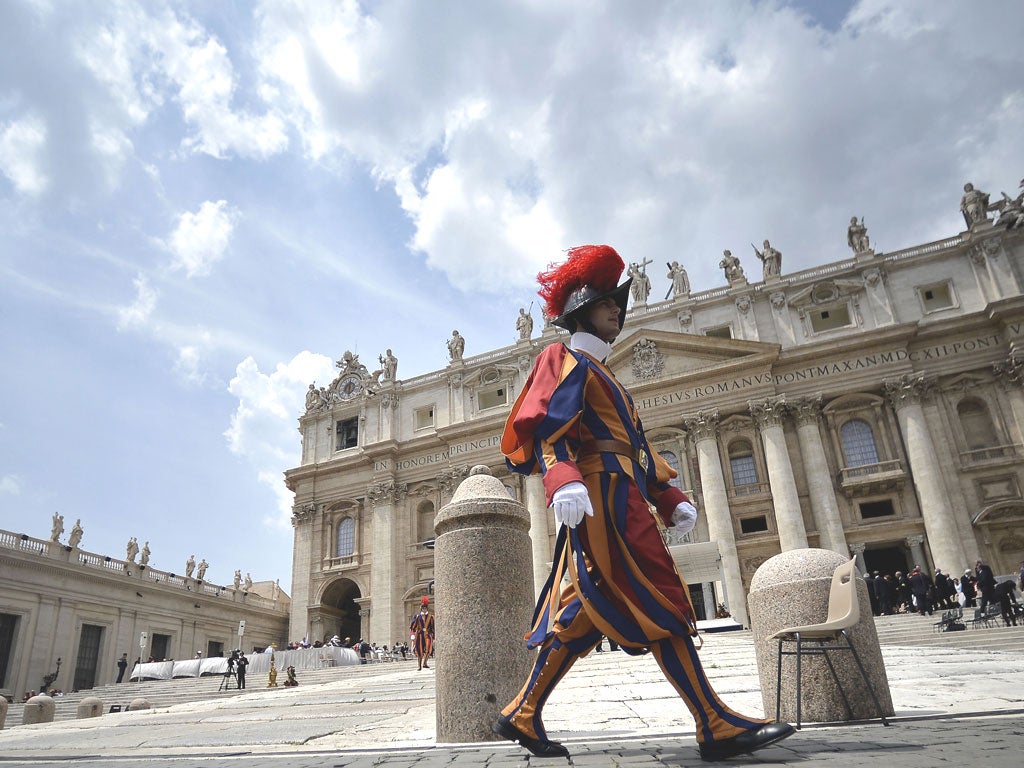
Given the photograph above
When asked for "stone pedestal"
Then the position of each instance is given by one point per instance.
(38, 709)
(90, 706)
(791, 589)
(483, 571)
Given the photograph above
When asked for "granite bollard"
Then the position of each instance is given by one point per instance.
(792, 589)
(137, 704)
(39, 709)
(90, 706)
(483, 575)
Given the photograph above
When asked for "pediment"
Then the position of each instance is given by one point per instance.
(652, 356)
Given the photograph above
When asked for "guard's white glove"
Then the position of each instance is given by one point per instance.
(570, 502)
(684, 517)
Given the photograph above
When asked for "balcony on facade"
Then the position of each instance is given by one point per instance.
(872, 478)
(984, 457)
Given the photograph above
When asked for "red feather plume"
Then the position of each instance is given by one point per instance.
(596, 265)
(424, 600)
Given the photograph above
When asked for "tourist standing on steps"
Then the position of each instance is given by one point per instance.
(574, 423)
(421, 629)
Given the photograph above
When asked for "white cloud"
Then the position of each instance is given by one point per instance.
(9, 484)
(21, 145)
(138, 313)
(263, 426)
(201, 238)
(188, 365)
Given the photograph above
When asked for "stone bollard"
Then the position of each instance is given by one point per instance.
(90, 706)
(3, 711)
(39, 709)
(792, 589)
(137, 704)
(483, 571)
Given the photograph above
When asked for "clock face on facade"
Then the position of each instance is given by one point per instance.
(349, 386)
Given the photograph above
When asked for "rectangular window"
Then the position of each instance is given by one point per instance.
(161, 647)
(214, 649)
(719, 332)
(935, 297)
(830, 319)
(423, 418)
(347, 434)
(870, 509)
(744, 472)
(754, 524)
(492, 398)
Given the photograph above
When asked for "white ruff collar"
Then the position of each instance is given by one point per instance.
(582, 341)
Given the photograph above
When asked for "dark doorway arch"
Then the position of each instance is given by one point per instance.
(338, 606)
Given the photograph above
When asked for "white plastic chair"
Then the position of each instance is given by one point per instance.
(828, 637)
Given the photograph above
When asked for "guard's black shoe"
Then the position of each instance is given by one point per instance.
(539, 747)
(748, 741)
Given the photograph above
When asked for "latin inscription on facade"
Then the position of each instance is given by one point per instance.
(438, 457)
(826, 370)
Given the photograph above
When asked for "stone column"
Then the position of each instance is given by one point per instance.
(388, 408)
(384, 496)
(482, 612)
(806, 411)
(905, 394)
(858, 552)
(536, 503)
(302, 563)
(703, 429)
(789, 521)
(917, 553)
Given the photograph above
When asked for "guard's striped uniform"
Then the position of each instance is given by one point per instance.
(574, 421)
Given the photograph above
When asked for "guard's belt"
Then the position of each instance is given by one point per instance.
(617, 447)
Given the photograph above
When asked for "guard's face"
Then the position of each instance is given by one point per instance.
(604, 317)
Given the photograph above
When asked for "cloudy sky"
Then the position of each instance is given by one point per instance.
(203, 205)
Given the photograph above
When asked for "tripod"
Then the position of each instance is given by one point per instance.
(225, 682)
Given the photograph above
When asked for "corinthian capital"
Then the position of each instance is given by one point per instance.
(806, 410)
(1010, 372)
(388, 492)
(907, 390)
(768, 412)
(703, 426)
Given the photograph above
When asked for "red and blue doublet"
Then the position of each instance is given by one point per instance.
(573, 421)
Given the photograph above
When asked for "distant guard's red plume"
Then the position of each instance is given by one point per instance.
(595, 265)
(424, 600)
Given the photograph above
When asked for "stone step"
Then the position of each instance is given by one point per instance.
(166, 693)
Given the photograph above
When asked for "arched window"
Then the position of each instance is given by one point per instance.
(741, 462)
(425, 521)
(673, 461)
(858, 443)
(979, 431)
(346, 537)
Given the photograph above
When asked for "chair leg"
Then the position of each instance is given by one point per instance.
(799, 657)
(864, 674)
(778, 687)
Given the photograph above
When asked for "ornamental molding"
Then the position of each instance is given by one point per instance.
(1010, 372)
(449, 480)
(648, 362)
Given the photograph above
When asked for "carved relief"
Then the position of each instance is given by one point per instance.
(778, 300)
(806, 410)
(449, 480)
(648, 363)
(685, 318)
(1010, 372)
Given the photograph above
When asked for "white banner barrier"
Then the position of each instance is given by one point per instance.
(259, 663)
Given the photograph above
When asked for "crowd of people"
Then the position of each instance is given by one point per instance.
(919, 592)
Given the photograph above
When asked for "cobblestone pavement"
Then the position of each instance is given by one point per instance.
(952, 708)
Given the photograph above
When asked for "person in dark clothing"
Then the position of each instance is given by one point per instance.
(122, 665)
(869, 582)
(986, 583)
(945, 592)
(1007, 601)
(967, 587)
(886, 594)
(240, 664)
(921, 587)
